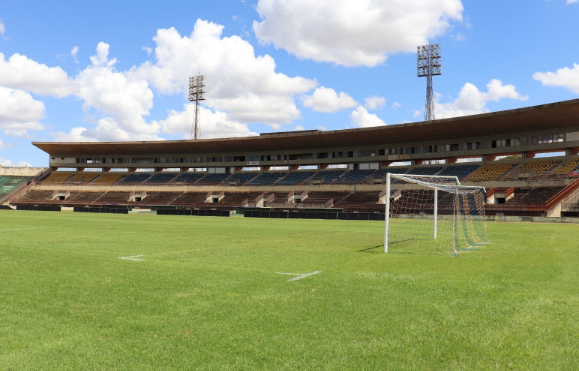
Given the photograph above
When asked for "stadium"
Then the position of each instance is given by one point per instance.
(526, 159)
(173, 254)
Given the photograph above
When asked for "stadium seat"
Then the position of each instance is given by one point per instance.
(533, 169)
(490, 172)
(568, 168)
(58, 177)
(295, 178)
(9, 183)
(160, 179)
(134, 179)
(212, 179)
(84, 177)
(107, 179)
(264, 179)
(424, 170)
(354, 176)
(326, 176)
(381, 174)
(460, 171)
(241, 178)
(188, 178)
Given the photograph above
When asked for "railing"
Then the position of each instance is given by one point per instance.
(567, 191)
(270, 198)
(329, 204)
(509, 192)
(311, 206)
(259, 198)
(494, 208)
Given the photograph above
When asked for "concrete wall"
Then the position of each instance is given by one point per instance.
(319, 188)
(21, 170)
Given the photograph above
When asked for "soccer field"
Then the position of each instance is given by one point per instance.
(207, 293)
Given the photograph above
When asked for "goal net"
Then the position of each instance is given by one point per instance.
(433, 214)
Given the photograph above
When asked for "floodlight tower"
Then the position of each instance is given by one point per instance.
(196, 93)
(428, 66)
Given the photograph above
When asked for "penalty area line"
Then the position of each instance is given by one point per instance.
(134, 258)
(18, 229)
(299, 275)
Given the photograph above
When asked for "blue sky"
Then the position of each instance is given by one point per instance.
(109, 70)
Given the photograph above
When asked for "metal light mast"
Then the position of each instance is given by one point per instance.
(428, 66)
(196, 93)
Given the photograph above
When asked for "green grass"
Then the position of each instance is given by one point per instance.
(207, 296)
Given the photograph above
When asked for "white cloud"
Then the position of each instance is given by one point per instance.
(472, 101)
(19, 112)
(568, 1)
(101, 58)
(565, 77)
(1, 143)
(22, 73)
(416, 113)
(2, 28)
(122, 99)
(458, 37)
(327, 100)
(239, 83)
(396, 105)
(147, 49)
(9, 163)
(363, 119)
(353, 33)
(212, 124)
(299, 128)
(107, 130)
(73, 53)
(375, 102)
(241, 88)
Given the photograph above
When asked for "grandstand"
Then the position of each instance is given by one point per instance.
(532, 154)
(10, 183)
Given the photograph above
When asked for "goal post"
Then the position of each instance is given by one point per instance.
(433, 213)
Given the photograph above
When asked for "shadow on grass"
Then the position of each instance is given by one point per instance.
(373, 250)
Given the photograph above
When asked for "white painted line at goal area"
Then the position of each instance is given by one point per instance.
(17, 229)
(299, 275)
(134, 258)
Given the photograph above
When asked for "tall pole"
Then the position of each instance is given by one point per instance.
(387, 213)
(196, 119)
(435, 212)
(429, 65)
(429, 106)
(196, 94)
(454, 220)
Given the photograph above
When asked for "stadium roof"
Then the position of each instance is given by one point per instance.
(544, 117)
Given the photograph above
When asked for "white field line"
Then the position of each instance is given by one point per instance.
(16, 229)
(299, 275)
(134, 258)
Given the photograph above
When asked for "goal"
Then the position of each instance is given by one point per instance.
(433, 214)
